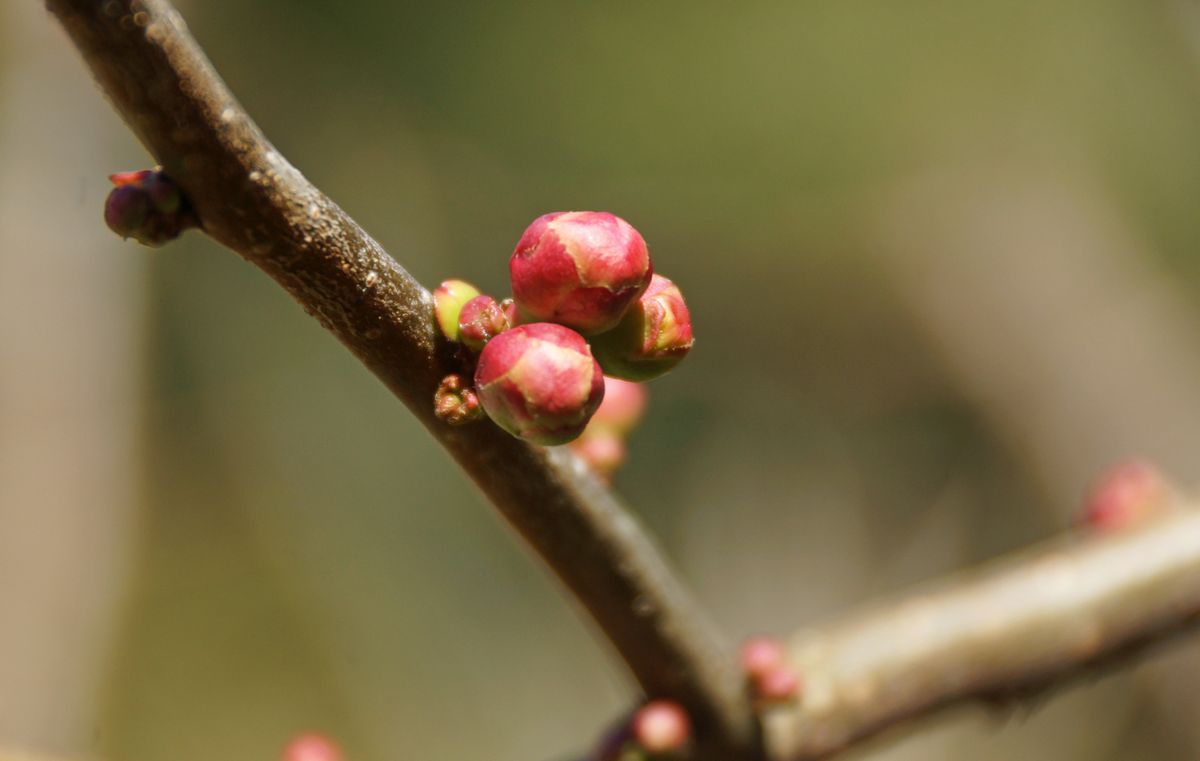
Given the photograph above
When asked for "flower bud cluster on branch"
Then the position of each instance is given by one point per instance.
(588, 318)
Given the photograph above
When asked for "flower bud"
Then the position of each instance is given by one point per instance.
(146, 206)
(623, 406)
(778, 685)
(759, 655)
(1125, 495)
(312, 747)
(603, 450)
(448, 301)
(654, 336)
(662, 727)
(582, 269)
(509, 307)
(480, 320)
(455, 402)
(539, 382)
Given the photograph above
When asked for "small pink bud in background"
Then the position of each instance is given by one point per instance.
(1125, 495)
(448, 301)
(602, 450)
(539, 382)
(653, 337)
(623, 406)
(661, 727)
(778, 685)
(582, 269)
(480, 320)
(312, 747)
(760, 655)
(455, 402)
(147, 206)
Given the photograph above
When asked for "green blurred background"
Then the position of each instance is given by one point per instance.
(941, 259)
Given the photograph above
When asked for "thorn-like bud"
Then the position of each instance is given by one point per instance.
(481, 320)
(602, 450)
(539, 382)
(582, 269)
(456, 402)
(662, 727)
(448, 301)
(653, 337)
(1125, 495)
(147, 206)
(312, 746)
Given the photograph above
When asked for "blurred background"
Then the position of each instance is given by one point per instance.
(942, 261)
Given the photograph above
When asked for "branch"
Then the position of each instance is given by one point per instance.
(1011, 630)
(249, 198)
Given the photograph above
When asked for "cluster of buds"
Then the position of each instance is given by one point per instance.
(1125, 495)
(769, 677)
(148, 207)
(602, 444)
(659, 729)
(588, 319)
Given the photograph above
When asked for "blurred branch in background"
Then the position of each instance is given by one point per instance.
(1055, 324)
(71, 385)
(1002, 634)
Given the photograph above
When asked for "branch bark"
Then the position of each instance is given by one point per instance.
(249, 198)
(1010, 630)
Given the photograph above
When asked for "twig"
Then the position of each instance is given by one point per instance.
(1009, 631)
(249, 198)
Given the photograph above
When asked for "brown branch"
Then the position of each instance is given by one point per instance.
(249, 198)
(1010, 630)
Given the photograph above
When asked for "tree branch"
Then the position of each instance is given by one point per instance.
(249, 198)
(1010, 630)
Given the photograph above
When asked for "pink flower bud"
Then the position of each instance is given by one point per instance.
(448, 301)
(509, 307)
(582, 269)
(759, 655)
(146, 206)
(539, 382)
(480, 320)
(623, 406)
(602, 450)
(455, 402)
(661, 727)
(654, 336)
(1125, 495)
(777, 685)
(312, 747)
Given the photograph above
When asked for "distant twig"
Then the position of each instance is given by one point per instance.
(1010, 630)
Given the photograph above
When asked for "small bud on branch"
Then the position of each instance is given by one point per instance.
(653, 337)
(582, 269)
(539, 382)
